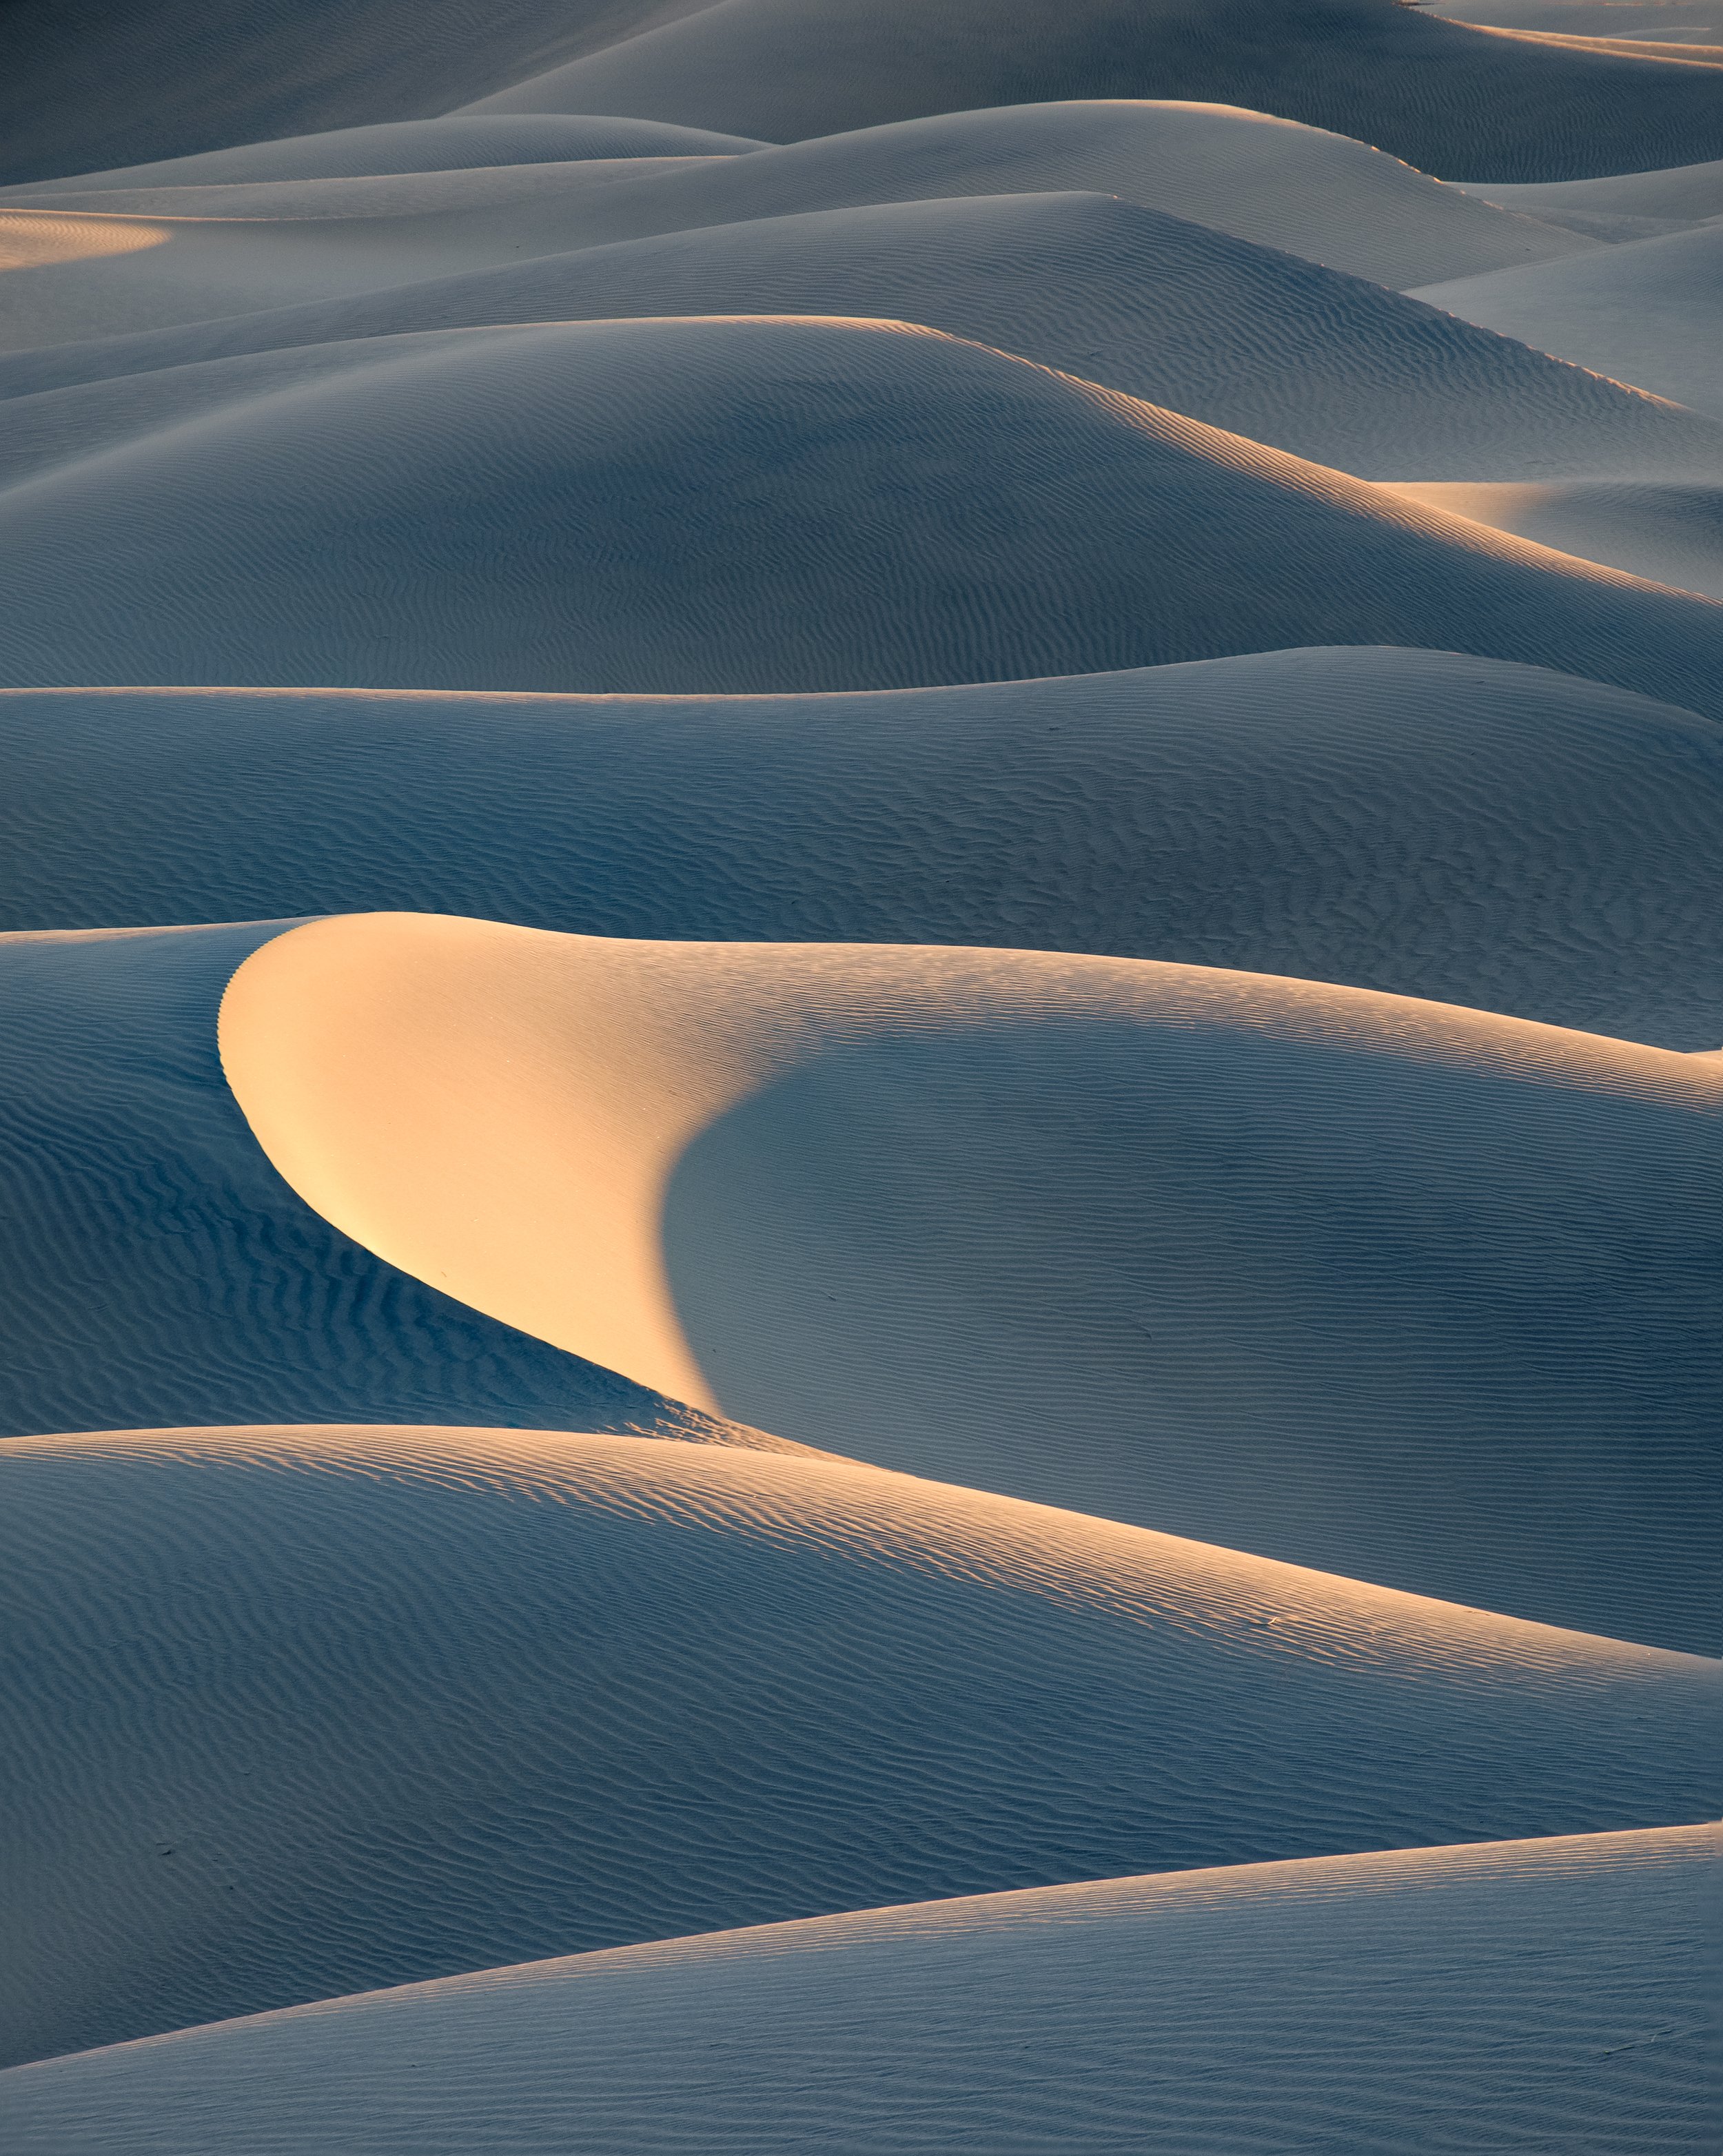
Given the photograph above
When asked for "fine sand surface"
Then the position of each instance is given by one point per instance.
(753, 504)
(1553, 1995)
(155, 1269)
(1358, 1282)
(861, 1112)
(1648, 311)
(1327, 365)
(682, 1688)
(1341, 814)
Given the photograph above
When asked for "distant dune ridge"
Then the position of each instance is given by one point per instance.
(683, 1688)
(1335, 814)
(861, 962)
(750, 504)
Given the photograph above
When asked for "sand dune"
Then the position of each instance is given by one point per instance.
(1453, 99)
(1522, 1998)
(455, 143)
(153, 1268)
(1441, 827)
(233, 247)
(1321, 364)
(680, 1688)
(754, 504)
(1671, 533)
(1649, 312)
(111, 82)
(1687, 194)
(1389, 1288)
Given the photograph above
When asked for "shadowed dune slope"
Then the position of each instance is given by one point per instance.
(1433, 825)
(1686, 194)
(1451, 100)
(91, 83)
(217, 250)
(455, 143)
(154, 1267)
(1671, 533)
(1649, 312)
(1518, 1998)
(1261, 343)
(755, 504)
(1397, 1290)
(359, 1707)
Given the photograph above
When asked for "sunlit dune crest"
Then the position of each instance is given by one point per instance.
(40, 240)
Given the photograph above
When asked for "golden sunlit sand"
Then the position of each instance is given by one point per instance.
(862, 1122)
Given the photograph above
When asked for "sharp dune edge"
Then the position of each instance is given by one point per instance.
(863, 1005)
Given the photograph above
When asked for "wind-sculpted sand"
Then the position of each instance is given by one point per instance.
(1276, 1258)
(1547, 1994)
(684, 1688)
(754, 503)
(861, 1112)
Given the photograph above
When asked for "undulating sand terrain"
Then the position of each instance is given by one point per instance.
(861, 1105)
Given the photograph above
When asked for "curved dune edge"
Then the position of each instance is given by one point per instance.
(1563, 1986)
(639, 1689)
(556, 1080)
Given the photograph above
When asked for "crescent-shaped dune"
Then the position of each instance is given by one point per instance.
(1323, 365)
(1404, 1292)
(747, 504)
(354, 1707)
(1341, 815)
(155, 1269)
(1518, 1999)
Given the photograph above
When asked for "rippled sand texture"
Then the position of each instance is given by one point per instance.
(861, 1112)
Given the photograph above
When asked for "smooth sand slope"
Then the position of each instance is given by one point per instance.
(1400, 1291)
(1685, 194)
(153, 1267)
(1437, 826)
(216, 250)
(359, 1707)
(454, 144)
(1464, 103)
(754, 504)
(1672, 533)
(1649, 312)
(1265, 344)
(94, 83)
(1469, 2002)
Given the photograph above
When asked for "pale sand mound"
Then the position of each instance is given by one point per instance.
(749, 505)
(1524, 1997)
(155, 1269)
(1393, 1289)
(1437, 826)
(1270, 181)
(455, 144)
(242, 245)
(1261, 343)
(1688, 194)
(1649, 312)
(1673, 534)
(358, 1706)
(1453, 99)
(93, 83)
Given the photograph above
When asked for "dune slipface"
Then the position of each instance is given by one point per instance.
(1359, 2002)
(678, 1688)
(155, 1269)
(1337, 814)
(1397, 1290)
(755, 504)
